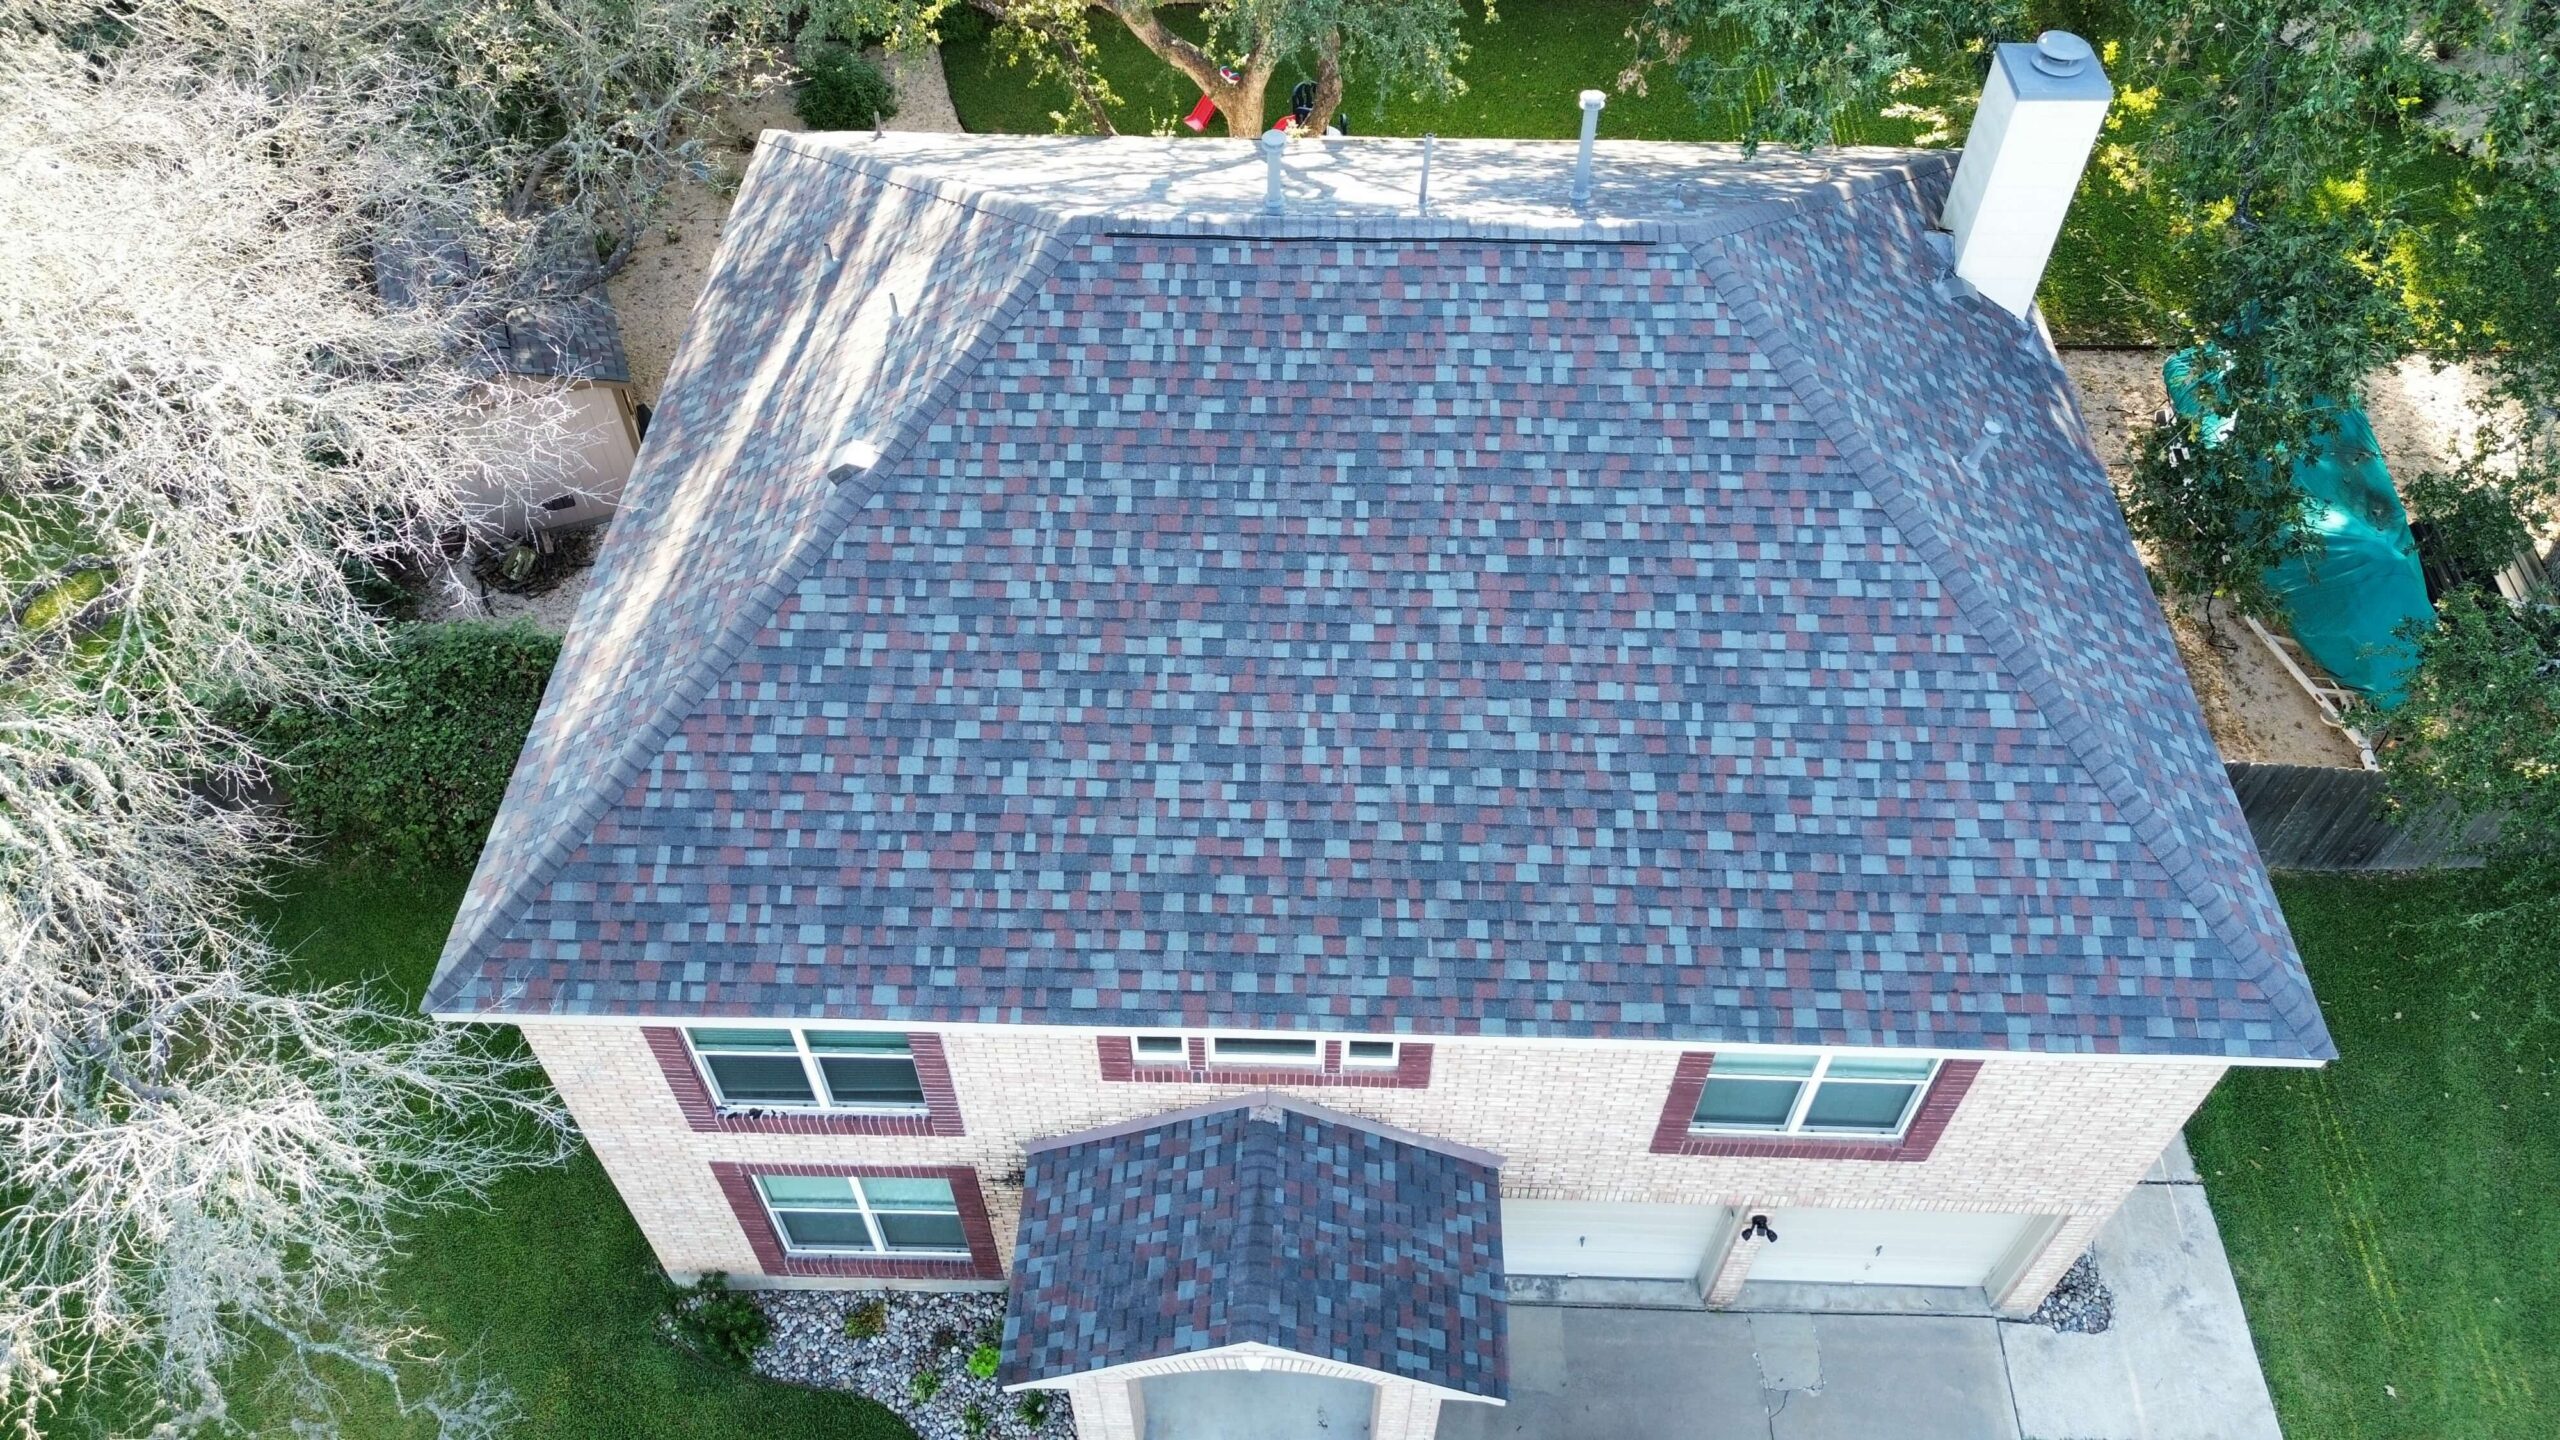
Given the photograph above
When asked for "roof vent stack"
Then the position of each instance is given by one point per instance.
(1987, 442)
(1274, 144)
(2041, 109)
(1592, 101)
(1422, 199)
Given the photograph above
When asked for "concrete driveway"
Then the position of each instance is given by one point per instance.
(2177, 1365)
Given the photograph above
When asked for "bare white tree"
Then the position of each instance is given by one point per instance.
(205, 419)
(587, 108)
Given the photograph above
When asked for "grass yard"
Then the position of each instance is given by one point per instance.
(552, 1287)
(1523, 82)
(2394, 1220)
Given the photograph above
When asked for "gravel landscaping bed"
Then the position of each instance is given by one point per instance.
(2081, 1305)
(923, 1332)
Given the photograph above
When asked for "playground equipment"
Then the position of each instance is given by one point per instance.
(1198, 119)
(1302, 103)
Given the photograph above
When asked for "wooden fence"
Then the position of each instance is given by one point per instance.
(2312, 817)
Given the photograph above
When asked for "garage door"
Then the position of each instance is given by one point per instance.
(1606, 1240)
(1887, 1247)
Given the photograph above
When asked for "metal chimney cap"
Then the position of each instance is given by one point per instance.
(1594, 99)
(2059, 52)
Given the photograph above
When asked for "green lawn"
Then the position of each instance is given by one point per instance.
(2394, 1220)
(1523, 81)
(551, 1287)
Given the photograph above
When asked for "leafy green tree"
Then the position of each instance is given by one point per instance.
(1414, 44)
(1795, 70)
(2480, 729)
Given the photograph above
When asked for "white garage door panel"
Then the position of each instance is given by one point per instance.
(1886, 1247)
(1607, 1240)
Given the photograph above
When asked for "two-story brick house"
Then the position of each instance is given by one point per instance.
(1271, 757)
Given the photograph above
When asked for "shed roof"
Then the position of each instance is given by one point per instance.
(558, 324)
(1056, 590)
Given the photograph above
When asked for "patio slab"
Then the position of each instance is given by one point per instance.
(2178, 1364)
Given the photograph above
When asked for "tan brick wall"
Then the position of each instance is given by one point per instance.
(1573, 1121)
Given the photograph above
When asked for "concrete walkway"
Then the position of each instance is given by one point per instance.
(2178, 1364)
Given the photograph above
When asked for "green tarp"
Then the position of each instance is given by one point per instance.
(2349, 596)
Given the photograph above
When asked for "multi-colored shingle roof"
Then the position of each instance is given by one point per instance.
(1057, 590)
(1262, 1220)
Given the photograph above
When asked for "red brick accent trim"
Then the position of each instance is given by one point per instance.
(737, 1181)
(1672, 1136)
(1119, 1063)
(693, 1097)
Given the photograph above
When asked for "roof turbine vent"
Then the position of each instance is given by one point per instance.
(1592, 101)
(1274, 144)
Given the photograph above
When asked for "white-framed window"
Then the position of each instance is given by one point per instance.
(866, 1071)
(1253, 1052)
(1264, 1052)
(863, 1215)
(1824, 1094)
(1369, 1055)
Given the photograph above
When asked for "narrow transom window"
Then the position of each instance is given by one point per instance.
(1369, 1054)
(1812, 1094)
(1161, 1050)
(858, 1070)
(1250, 1050)
(863, 1215)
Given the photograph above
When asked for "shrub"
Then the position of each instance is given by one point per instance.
(867, 1321)
(962, 25)
(840, 90)
(983, 1361)
(1032, 1408)
(925, 1384)
(720, 1322)
(415, 776)
(973, 1422)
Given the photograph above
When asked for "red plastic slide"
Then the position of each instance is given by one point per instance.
(1198, 119)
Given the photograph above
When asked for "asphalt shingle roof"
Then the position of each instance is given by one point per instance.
(1261, 1221)
(556, 324)
(1056, 591)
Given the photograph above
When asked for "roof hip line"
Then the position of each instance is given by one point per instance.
(2069, 719)
(720, 653)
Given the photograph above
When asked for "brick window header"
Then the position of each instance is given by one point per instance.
(1672, 1135)
(1412, 1070)
(703, 1113)
(738, 1184)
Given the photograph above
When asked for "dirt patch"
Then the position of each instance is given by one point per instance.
(2254, 709)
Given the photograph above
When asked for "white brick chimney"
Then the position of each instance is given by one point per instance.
(2041, 109)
